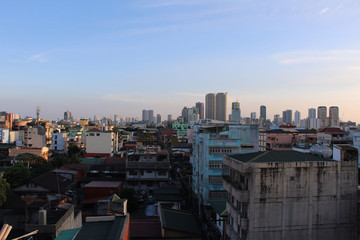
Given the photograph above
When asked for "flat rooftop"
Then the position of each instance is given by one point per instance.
(102, 184)
(278, 157)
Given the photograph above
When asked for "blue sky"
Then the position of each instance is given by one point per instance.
(119, 57)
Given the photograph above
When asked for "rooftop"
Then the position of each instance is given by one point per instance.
(277, 157)
(102, 184)
(179, 220)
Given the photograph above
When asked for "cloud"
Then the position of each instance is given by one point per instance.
(317, 56)
(324, 10)
(37, 57)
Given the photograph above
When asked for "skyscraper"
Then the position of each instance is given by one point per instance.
(148, 116)
(287, 116)
(184, 114)
(158, 118)
(170, 117)
(322, 115)
(262, 118)
(312, 113)
(253, 117)
(210, 106)
(334, 116)
(67, 116)
(235, 111)
(221, 107)
(200, 108)
(297, 118)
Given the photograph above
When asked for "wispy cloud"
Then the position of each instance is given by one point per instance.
(317, 56)
(324, 10)
(37, 57)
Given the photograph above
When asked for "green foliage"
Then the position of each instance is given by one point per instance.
(73, 150)
(17, 175)
(129, 194)
(4, 189)
(39, 169)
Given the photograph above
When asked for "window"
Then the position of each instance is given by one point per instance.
(98, 134)
(132, 172)
(91, 134)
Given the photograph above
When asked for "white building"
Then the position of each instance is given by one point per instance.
(101, 142)
(59, 141)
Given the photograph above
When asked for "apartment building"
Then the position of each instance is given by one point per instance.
(292, 195)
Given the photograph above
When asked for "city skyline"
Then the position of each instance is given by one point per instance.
(122, 57)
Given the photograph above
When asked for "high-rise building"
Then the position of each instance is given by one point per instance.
(235, 111)
(148, 116)
(287, 117)
(312, 113)
(297, 118)
(67, 116)
(322, 115)
(184, 114)
(276, 119)
(253, 117)
(192, 114)
(158, 118)
(200, 108)
(170, 117)
(334, 116)
(262, 118)
(210, 106)
(221, 107)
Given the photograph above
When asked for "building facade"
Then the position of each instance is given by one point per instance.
(200, 108)
(334, 116)
(322, 116)
(235, 112)
(292, 195)
(210, 106)
(210, 142)
(221, 107)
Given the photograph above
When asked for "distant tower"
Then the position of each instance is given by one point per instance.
(67, 116)
(235, 111)
(334, 116)
(221, 107)
(200, 108)
(262, 118)
(297, 118)
(158, 118)
(322, 115)
(38, 115)
(287, 116)
(253, 117)
(210, 104)
(312, 113)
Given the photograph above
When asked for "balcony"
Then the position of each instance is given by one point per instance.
(236, 190)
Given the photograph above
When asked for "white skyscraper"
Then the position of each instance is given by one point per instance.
(312, 113)
(297, 118)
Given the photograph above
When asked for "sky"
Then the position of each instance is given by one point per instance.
(119, 57)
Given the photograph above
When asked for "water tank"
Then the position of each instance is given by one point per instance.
(42, 217)
(321, 151)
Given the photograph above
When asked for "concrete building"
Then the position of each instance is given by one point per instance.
(355, 136)
(235, 112)
(148, 168)
(59, 141)
(334, 116)
(158, 118)
(170, 117)
(4, 135)
(287, 117)
(200, 108)
(277, 120)
(221, 107)
(101, 143)
(262, 118)
(253, 117)
(148, 116)
(35, 137)
(181, 128)
(193, 114)
(292, 195)
(210, 106)
(297, 118)
(285, 139)
(322, 115)
(67, 116)
(210, 142)
(312, 113)
(333, 135)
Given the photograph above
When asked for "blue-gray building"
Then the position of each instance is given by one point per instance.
(211, 141)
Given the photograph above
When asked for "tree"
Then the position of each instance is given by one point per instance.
(17, 175)
(4, 189)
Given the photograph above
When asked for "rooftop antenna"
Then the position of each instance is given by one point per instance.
(38, 115)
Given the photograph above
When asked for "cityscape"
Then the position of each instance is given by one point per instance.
(180, 120)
